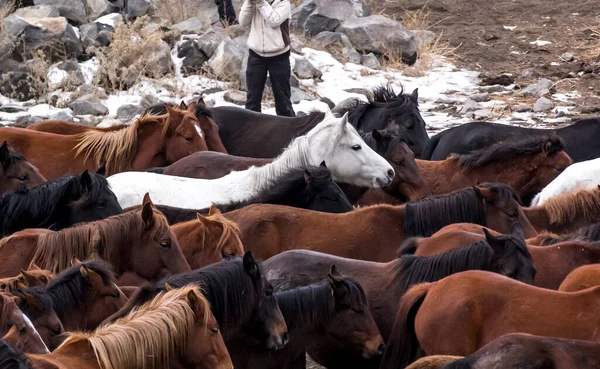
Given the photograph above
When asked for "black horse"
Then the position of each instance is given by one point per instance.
(581, 138)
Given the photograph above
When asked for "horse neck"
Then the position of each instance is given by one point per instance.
(538, 217)
(190, 230)
(150, 151)
(437, 175)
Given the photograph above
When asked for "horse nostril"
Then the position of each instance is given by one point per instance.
(286, 337)
(390, 173)
(380, 349)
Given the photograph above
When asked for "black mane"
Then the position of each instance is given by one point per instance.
(11, 358)
(70, 290)
(507, 150)
(40, 294)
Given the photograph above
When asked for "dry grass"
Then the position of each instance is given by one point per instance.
(6, 9)
(175, 11)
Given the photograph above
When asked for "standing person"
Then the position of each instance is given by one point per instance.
(226, 12)
(269, 44)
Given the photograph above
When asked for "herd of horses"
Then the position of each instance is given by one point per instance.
(210, 238)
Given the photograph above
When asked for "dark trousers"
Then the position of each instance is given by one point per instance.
(279, 73)
(226, 11)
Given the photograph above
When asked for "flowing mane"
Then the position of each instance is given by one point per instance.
(567, 208)
(230, 229)
(509, 150)
(148, 337)
(11, 358)
(102, 238)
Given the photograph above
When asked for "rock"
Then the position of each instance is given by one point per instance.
(380, 35)
(73, 10)
(370, 61)
(424, 37)
(160, 53)
(22, 121)
(193, 25)
(62, 115)
(353, 56)
(502, 79)
(12, 108)
(38, 11)
(315, 16)
(480, 97)
(88, 105)
(294, 82)
(305, 70)
(521, 108)
(491, 89)
(295, 44)
(298, 95)
(357, 90)
(149, 100)
(211, 39)
(342, 106)
(128, 111)
(481, 114)
(470, 105)
(543, 104)
(98, 8)
(137, 8)
(18, 84)
(568, 56)
(326, 39)
(55, 37)
(541, 88)
(87, 89)
(561, 114)
(112, 20)
(95, 34)
(227, 59)
(65, 75)
(193, 64)
(235, 97)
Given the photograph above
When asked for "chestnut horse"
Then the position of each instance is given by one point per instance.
(24, 339)
(37, 306)
(477, 307)
(58, 204)
(584, 277)
(208, 239)
(139, 242)
(374, 233)
(240, 296)
(151, 141)
(507, 256)
(32, 277)
(526, 166)
(16, 173)
(176, 329)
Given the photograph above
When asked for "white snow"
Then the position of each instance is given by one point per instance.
(510, 28)
(540, 43)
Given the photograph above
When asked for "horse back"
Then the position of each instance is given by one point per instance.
(59, 127)
(17, 250)
(211, 165)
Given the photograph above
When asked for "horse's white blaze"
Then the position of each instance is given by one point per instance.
(199, 130)
(578, 176)
(331, 141)
(36, 334)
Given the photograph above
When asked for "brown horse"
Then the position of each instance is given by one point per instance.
(176, 329)
(34, 276)
(25, 339)
(475, 307)
(584, 277)
(208, 239)
(139, 242)
(151, 141)
(526, 166)
(373, 233)
(16, 173)
(433, 362)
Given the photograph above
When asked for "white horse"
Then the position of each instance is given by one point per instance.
(578, 176)
(333, 140)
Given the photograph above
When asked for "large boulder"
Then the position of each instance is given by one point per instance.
(73, 10)
(160, 53)
(382, 36)
(315, 16)
(193, 25)
(98, 8)
(327, 39)
(137, 8)
(38, 11)
(88, 105)
(305, 70)
(193, 58)
(211, 39)
(227, 59)
(95, 34)
(65, 75)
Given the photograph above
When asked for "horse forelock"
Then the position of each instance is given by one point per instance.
(149, 336)
(569, 207)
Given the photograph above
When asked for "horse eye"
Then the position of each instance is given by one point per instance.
(100, 204)
(56, 330)
(214, 330)
(189, 139)
(268, 293)
(22, 178)
(22, 329)
(165, 244)
(356, 147)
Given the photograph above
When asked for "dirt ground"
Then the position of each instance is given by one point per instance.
(480, 31)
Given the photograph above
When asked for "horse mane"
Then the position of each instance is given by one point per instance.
(148, 337)
(229, 228)
(8, 304)
(313, 305)
(571, 206)
(70, 289)
(507, 150)
(11, 358)
(40, 294)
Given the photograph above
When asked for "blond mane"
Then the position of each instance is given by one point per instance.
(230, 229)
(582, 205)
(148, 337)
(99, 239)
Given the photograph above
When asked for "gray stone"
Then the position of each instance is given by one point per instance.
(370, 61)
(12, 108)
(294, 82)
(18, 84)
(341, 107)
(62, 115)
(540, 88)
(193, 60)
(521, 108)
(211, 39)
(561, 114)
(543, 104)
(227, 59)
(353, 56)
(381, 35)
(137, 8)
(88, 105)
(128, 111)
(88, 89)
(95, 34)
(470, 105)
(235, 97)
(38, 11)
(315, 16)
(327, 39)
(149, 100)
(424, 37)
(66, 74)
(480, 97)
(305, 70)
(299, 95)
(568, 56)
(193, 25)
(22, 121)
(73, 10)
(161, 55)
(491, 89)
(481, 114)
(98, 8)
(295, 44)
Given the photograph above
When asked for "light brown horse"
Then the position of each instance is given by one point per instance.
(584, 277)
(153, 140)
(526, 166)
(174, 330)
(465, 311)
(139, 242)
(373, 233)
(209, 239)
(209, 129)
(34, 276)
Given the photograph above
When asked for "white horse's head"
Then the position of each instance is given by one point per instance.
(347, 156)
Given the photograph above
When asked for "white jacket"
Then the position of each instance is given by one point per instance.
(269, 26)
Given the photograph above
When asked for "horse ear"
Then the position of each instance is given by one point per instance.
(84, 271)
(182, 105)
(75, 260)
(32, 301)
(195, 302)
(307, 175)
(85, 180)
(168, 287)
(483, 193)
(201, 218)
(491, 239)
(4, 155)
(170, 110)
(192, 107)
(477, 191)
(213, 210)
(334, 272)
(323, 165)
(377, 136)
(19, 285)
(415, 94)
(34, 266)
(201, 102)
(147, 210)
(548, 146)
(102, 169)
(343, 122)
(251, 266)
(30, 279)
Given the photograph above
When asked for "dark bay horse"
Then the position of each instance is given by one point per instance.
(506, 256)
(58, 204)
(16, 173)
(580, 138)
(478, 307)
(153, 140)
(337, 308)
(209, 165)
(240, 296)
(268, 230)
